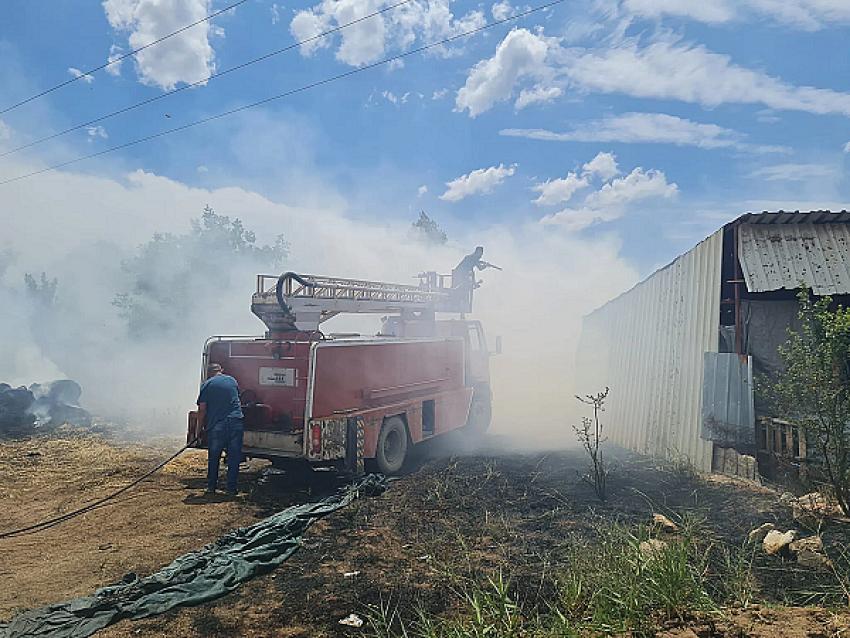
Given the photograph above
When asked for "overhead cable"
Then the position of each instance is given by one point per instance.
(112, 61)
(289, 93)
(202, 81)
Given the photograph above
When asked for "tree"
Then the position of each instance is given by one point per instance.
(427, 230)
(41, 291)
(589, 434)
(813, 392)
(172, 275)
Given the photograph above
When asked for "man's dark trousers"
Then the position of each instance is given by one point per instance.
(225, 435)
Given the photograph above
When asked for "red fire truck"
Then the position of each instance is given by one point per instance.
(319, 399)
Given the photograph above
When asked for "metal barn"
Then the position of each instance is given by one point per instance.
(680, 349)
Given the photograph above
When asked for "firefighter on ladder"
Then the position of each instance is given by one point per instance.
(463, 275)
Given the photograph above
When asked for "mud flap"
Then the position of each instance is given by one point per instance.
(354, 439)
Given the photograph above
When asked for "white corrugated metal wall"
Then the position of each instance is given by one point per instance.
(647, 345)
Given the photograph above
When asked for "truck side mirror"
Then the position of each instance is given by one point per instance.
(497, 347)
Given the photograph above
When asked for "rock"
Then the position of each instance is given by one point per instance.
(757, 535)
(352, 620)
(787, 499)
(810, 543)
(813, 560)
(664, 524)
(652, 548)
(813, 510)
(776, 542)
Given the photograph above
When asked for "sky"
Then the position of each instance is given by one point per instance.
(586, 144)
(707, 110)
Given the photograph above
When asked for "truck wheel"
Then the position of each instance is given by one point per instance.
(392, 446)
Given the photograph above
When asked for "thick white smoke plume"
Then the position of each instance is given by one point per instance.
(81, 229)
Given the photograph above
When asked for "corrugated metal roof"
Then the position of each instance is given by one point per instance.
(795, 217)
(783, 254)
(648, 346)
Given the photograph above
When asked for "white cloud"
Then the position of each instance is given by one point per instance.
(421, 190)
(558, 191)
(479, 181)
(113, 62)
(275, 11)
(307, 24)
(502, 10)
(522, 54)
(647, 128)
(536, 95)
(635, 186)
(88, 79)
(614, 198)
(809, 15)
(391, 97)
(97, 131)
(715, 11)
(369, 40)
(604, 165)
(184, 58)
(5, 131)
(847, 147)
(794, 172)
(690, 73)
(439, 95)
(202, 169)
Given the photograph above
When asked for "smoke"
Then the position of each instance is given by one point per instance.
(85, 229)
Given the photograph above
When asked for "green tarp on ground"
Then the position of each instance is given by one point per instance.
(192, 579)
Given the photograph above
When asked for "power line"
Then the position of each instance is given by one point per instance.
(213, 76)
(122, 57)
(289, 93)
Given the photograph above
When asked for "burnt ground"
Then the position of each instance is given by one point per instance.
(449, 520)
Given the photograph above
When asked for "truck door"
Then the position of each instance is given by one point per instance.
(478, 356)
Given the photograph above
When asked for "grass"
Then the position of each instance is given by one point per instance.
(605, 585)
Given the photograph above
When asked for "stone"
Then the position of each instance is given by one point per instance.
(813, 560)
(757, 535)
(652, 548)
(810, 544)
(787, 499)
(776, 542)
(813, 510)
(664, 524)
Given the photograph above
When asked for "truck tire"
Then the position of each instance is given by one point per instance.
(393, 444)
(480, 411)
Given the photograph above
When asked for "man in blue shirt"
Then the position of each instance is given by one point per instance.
(221, 414)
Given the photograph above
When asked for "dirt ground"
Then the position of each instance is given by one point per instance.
(449, 518)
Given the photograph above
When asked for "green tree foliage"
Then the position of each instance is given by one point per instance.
(172, 276)
(814, 390)
(427, 230)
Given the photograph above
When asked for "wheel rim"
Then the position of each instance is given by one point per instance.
(392, 447)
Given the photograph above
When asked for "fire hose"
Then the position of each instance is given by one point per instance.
(52, 522)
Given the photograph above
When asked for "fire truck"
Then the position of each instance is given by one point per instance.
(344, 400)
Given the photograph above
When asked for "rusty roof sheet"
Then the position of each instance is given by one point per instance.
(783, 253)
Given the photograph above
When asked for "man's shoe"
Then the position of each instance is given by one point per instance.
(209, 492)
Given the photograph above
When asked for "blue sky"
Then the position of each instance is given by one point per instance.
(701, 110)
